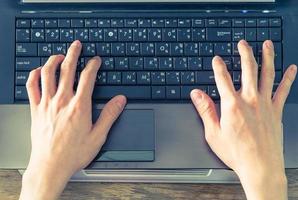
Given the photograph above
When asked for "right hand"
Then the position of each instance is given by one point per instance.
(248, 135)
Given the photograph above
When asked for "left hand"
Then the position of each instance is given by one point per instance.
(64, 140)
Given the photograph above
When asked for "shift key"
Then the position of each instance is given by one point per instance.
(27, 63)
(26, 49)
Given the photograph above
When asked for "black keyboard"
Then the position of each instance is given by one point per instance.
(145, 59)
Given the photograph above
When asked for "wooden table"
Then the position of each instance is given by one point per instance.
(10, 185)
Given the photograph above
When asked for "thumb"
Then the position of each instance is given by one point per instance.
(108, 116)
(206, 109)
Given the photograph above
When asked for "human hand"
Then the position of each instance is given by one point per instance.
(64, 140)
(248, 135)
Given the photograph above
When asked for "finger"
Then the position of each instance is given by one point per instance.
(267, 72)
(108, 116)
(222, 78)
(48, 77)
(206, 109)
(249, 67)
(284, 87)
(32, 86)
(87, 78)
(68, 69)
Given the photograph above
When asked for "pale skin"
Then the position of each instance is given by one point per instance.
(247, 137)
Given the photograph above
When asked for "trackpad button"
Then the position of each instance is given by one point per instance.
(132, 137)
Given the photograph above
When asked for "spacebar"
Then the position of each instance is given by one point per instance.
(131, 92)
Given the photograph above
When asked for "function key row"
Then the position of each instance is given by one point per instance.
(155, 22)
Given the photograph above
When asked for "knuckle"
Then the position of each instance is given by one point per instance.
(205, 108)
(269, 72)
(45, 71)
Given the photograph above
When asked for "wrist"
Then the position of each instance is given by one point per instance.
(42, 182)
(264, 184)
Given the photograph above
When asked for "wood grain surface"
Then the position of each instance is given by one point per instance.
(10, 185)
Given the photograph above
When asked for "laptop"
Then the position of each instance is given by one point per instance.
(154, 52)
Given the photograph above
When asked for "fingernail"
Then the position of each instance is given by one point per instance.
(121, 101)
(77, 43)
(294, 68)
(243, 42)
(269, 44)
(196, 96)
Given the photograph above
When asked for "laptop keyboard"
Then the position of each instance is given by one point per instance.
(145, 58)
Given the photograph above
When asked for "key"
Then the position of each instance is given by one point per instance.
(110, 35)
(129, 78)
(107, 63)
(116, 23)
(147, 49)
(114, 78)
(66, 35)
(125, 34)
(121, 63)
(51, 23)
(132, 23)
(81, 34)
(184, 23)
(96, 34)
(37, 23)
(158, 23)
(150, 63)
(23, 35)
(262, 22)
(63, 23)
(205, 77)
(44, 49)
(191, 49)
(198, 23)
(89, 49)
(194, 63)
(21, 78)
(154, 34)
(219, 34)
(173, 78)
(213, 92)
(206, 49)
(180, 63)
(171, 23)
(185, 90)
(77, 23)
(158, 92)
(262, 34)
(91, 23)
(26, 49)
(177, 49)
(101, 78)
(224, 23)
(199, 34)
(173, 92)
(238, 34)
(251, 34)
(275, 34)
(169, 35)
(184, 34)
(104, 23)
(162, 49)
(21, 93)
(59, 48)
(207, 63)
(158, 78)
(237, 77)
(52, 35)
(136, 63)
(187, 78)
(103, 49)
(223, 49)
(165, 63)
(37, 35)
(140, 34)
(211, 23)
(131, 92)
(276, 22)
(238, 22)
(143, 78)
(145, 23)
(250, 22)
(23, 23)
(132, 49)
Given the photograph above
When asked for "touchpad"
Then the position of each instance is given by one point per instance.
(132, 137)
